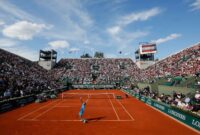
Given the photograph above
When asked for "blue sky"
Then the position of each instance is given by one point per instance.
(74, 27)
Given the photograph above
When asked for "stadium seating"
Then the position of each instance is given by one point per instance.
(186, 62)
(97, 71)
(20, 77)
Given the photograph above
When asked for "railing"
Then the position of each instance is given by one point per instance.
(93, 86)
(12, 103)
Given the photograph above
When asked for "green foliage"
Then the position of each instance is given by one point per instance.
(86, 55)
(99, 55)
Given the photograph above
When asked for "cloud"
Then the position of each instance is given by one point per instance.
(109, 55)
(74, 50)
(119, 34)
(59, 44)
(7, 43)
(127, 54)
(23, 30)
(139, 16)
(76, 25)
(168, 38)
(133, 17)
(130, 36)
(195, 5)
(86, 42)
(124, 38)
(114, 30)
(15, 12)
(2, 22)
(119, 1)
(71, 12)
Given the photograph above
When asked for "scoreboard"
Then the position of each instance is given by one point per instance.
(145, 54)
(148, 48)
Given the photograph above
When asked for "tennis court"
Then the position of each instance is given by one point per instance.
(105, 114)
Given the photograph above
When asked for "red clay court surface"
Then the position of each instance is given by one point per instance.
(107, 116)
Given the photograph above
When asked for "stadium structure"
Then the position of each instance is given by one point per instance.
(47, 59)
(145, 55)
(122, 96)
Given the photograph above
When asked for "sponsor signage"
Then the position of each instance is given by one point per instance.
(148, 101)
(159, 106)
(143, 99)
(176, 114)
(182, 116)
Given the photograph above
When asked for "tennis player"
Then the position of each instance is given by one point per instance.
(82, 111)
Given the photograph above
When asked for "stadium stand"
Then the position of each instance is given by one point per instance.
(20, 77)
(180, 71)
(97, 71)
(186, 62)
(185, 102)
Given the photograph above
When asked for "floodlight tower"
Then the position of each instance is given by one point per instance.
(47, 59)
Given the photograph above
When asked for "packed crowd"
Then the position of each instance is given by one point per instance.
(186, 62)
(20, 77)
(97, 71)
(185, 102)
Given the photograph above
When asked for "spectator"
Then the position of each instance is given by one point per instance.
(20, 77)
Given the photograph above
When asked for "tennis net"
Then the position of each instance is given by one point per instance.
(88, 95)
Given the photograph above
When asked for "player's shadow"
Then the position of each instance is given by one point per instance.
(95, 118)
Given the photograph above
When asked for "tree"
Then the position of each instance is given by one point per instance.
(86, 55)
(99, 55)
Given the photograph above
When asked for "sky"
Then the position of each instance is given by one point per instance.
(75, 27)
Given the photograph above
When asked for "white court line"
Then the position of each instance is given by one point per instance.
(126, 110)
(167, 115)
(78, 120)
(36, 110)
(64, 106)
(89, 93)
(46, 110)
(114, 109)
